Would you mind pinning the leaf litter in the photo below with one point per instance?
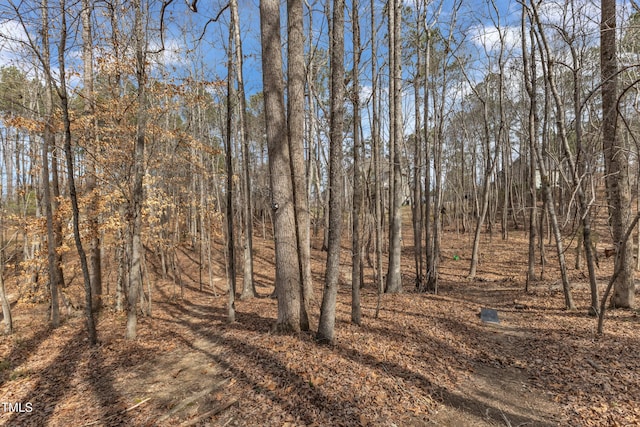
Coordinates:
(427, 360)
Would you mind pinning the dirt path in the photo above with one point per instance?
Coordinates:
(427, 360)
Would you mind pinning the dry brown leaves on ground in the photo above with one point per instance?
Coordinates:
(427, 360)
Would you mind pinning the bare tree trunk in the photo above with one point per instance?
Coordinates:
(375, 137)
(6, 306)
(287, 265)
(357, 212)
(64, 100)
(394, 277)
(530, 81)
(533, 121)
(231, 256)
(48, 141)
(248, 286)
(574, 170)
(431, 281)
(484, 208)
(418, 166)
(137, 196)
(328, 307)
(95, 262)
(491, 161)
(616, 158)
(295, 126)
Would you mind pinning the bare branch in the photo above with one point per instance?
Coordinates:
(204, 30)
(192, 6)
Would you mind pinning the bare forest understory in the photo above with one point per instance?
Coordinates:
(427, 360)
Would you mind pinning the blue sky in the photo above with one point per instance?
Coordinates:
(183, 53)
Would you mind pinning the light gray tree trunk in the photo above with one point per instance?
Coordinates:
(358, 202)
(616, 158)
(377, 174)
(64, 103)
(95, 262)
(6, 306)
(530, 82)
(533, 121)
(282, 204)
(394, 277)
(328, 307)
(48, 141)
(574, 170)
(295, 126)
(135, 247)
(229, 191)
(248, 286)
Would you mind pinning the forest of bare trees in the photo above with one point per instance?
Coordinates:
(144, 142)
(131, 128)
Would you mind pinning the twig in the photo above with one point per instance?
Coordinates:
(506, 420)
(119, 413)
(594, 365)
(136, 405)
(210, 413)
(191, 399)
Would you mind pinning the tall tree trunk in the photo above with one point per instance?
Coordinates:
(231, 254)
(533, 121)
(490, 164)
(6, 306)
(328, 307)
(530, 82)
(616, 158)
(95, 262)
(394, 277)
(287, 265)
(48, 141)
(357, 208)
(64, 101)
(248, 286)
(431, 281)
(377, 174)
(575, 170)
(135, 247)
(418, 165)
(295, 126)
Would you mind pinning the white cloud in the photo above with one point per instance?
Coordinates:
(173, 54)
(12, 40)
(490, 37)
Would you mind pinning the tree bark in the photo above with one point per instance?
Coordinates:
(295, 126)
(6, 306)
(48, 141)
(135, 247)
(231, 255)
(576, 166)
(377, 175)
(616, 158)
(533, 121)
(287, 267)
(328, 307)
(248, 285)
(357, 208)
(394, 277)
(64, 101)
(95, 262)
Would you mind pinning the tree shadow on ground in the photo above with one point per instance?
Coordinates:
(340, 411)
(21, 351)
(55, 380)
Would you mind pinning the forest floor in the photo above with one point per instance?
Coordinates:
(426, 360)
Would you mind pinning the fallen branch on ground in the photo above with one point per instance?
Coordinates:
(186, 402)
